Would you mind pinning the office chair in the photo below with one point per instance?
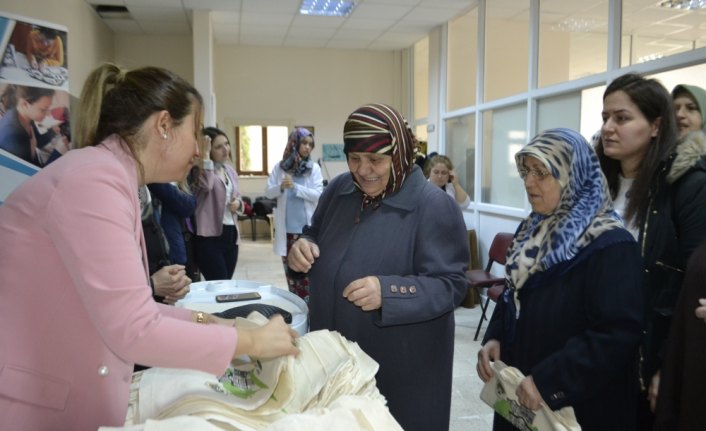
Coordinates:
(482, 278)
(247, 200)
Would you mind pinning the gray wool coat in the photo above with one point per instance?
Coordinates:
(415, 243)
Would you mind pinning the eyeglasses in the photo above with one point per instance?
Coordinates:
(534, 173)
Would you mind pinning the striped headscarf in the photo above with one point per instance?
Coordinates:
(378, 128)
(585, 208)
(292, 161)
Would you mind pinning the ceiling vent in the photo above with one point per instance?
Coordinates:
(112, 12)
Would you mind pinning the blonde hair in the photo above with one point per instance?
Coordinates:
(114, 101)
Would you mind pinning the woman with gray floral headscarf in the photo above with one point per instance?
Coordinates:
(570, 317)
(386, 271)
(296, 183)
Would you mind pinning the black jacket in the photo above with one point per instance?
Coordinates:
(578, 332)
(675, 225)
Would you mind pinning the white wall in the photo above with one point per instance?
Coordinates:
(89, 43)
(298, 86)
(170, 52)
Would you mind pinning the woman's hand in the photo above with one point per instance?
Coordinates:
(452, 177)
(286, 183)
(528, 394)
(274, 339)
(364, 293)
(489, 352)
(171, 282)
(302, 255)
(653, 390)
(234, 205)
(206, 148)
(701, 310)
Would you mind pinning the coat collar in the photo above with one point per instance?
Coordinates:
(407, 198)
(691, 153)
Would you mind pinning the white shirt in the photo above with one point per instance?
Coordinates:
(621, 202)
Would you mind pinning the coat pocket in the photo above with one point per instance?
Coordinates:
(33, 387)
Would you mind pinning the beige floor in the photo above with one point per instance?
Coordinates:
(258, 262)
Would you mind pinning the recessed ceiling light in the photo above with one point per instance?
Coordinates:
(326, 7)
(684, 4)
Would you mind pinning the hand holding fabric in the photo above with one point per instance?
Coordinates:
(489, 352)
(274, 339)
(365, 293)
(528, 395)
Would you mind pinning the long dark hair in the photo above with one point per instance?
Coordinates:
(655, 104)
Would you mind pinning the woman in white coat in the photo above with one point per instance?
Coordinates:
(297, 183)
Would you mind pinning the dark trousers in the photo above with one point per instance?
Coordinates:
(645, 417)
(217, 255)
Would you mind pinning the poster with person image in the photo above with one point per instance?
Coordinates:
(35, 125)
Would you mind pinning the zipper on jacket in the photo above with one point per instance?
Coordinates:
(664, 265)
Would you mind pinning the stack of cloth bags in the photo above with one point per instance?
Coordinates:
(330, 385)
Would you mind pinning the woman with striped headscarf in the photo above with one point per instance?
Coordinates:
(385, 270)
(571, 315)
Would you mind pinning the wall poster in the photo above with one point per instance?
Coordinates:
(34, 98)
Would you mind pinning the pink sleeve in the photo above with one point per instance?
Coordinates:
(95, 226)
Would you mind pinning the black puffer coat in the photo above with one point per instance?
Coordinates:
(675, 225)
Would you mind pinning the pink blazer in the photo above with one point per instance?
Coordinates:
(211, 201)
(76, 310)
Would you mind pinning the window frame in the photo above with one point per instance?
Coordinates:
(238, 169)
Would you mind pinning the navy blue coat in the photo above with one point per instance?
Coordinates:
(176, 206)
(578, 333)
(416, 244)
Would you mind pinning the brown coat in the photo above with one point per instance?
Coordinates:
(682, 390)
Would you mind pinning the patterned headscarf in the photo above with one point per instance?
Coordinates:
(585, 208)
(292, 161)
(378, 128)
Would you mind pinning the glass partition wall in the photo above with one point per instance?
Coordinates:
(511, 68)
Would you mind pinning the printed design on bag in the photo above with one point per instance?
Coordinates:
(243, 383)
(518, 415)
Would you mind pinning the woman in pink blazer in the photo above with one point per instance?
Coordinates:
(218, 204)
(77, 310)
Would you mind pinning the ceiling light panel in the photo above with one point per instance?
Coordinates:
(326, 7)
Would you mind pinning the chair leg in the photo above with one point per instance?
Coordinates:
(253, 225)
(483, 307)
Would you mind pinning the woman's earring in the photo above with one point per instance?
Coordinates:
(164, 136)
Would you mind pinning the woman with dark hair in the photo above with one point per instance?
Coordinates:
(19, 134)
(218, 203)
(297, 183)
(77, 310)
(386, 271)
(659, 186)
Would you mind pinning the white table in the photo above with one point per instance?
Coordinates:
(202, 297)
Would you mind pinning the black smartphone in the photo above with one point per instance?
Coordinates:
(233, 297)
